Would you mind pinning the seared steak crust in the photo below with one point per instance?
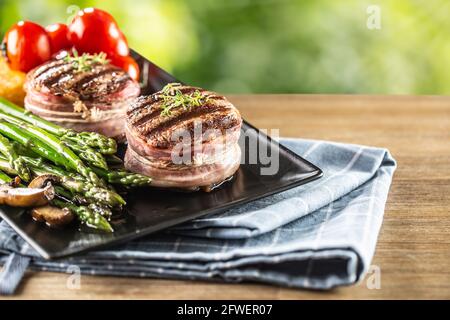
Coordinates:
(144, 117)
(60, 78)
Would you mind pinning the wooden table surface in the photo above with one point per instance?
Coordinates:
(413, 250)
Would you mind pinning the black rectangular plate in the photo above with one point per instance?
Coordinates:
(149, 210)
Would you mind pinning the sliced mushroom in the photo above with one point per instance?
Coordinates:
(44, 180)
(26, 197)
(52, 216)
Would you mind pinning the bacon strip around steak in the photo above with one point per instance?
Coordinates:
(205, 135)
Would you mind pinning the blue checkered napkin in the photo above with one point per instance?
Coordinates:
(319, 235)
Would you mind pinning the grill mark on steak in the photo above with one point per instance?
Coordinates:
(146, 115)
(44, 68)
(69, 84)
(160, 124)
(92, 76)
(144, 109)
(147, 108)
(219, 122)
(104, 85)
(139, 102)
(145, 119)
(54, 75)
(62, 79)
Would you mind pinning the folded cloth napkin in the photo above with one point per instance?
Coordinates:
(319, 235)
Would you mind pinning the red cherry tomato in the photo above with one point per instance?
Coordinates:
(59, 36)
(128, 64)
(27, 46)
(94, 31)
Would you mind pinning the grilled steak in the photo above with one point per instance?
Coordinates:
(92, 96)
(183, 137)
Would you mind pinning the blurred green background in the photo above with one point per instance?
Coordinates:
(240, 46)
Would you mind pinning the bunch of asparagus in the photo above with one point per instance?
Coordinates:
(31, 146)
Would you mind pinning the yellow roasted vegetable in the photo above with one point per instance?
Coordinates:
(11, 83)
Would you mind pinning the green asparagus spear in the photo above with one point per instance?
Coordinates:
(87, 154)
(60, 191)
(74, 184)
(68, 196)
(50, 142)
(123, 177)
(102, 144)
(80, 200)
(102, 210)
(91, 192)
(6, 167)
(7, 149)
(14, 133)
(78, 186)
(86, 214)
(4, 178)
(83, 151)
(95, 140)
(22, 150)
(38, 166)
(113, 160)
(93, 215)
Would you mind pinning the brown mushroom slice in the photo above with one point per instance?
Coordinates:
(43, 180)
(26, 197)
(52, 216)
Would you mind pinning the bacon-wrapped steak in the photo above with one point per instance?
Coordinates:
(83, 93)
(183, 137)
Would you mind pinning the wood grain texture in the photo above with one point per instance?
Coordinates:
(413, 250)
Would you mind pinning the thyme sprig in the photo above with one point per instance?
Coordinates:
(174, 98)
(86, 61)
